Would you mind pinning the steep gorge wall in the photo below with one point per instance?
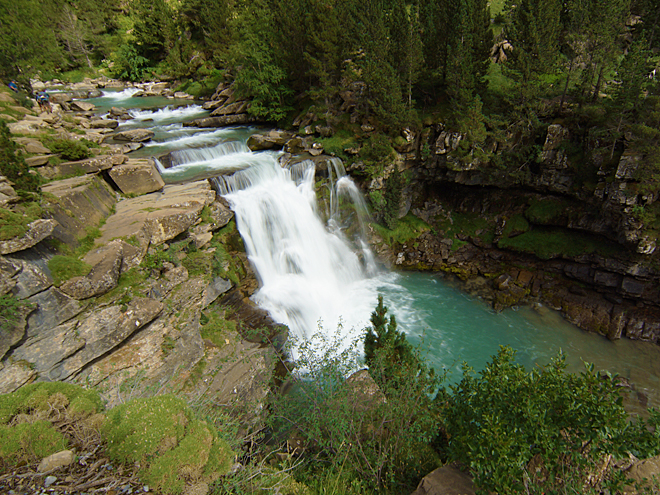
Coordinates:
(569, 234)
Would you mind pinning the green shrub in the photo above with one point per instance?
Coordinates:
(68, 148)
(534, 432)
(161, 434)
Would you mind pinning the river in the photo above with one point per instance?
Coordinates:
(315, 277)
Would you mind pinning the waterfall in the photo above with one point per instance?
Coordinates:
(310, 272)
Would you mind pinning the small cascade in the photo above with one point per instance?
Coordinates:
(120, 95)
(202, 163)
(167, 114)
(309, 272)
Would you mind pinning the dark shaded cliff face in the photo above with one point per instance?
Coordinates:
(576, 235)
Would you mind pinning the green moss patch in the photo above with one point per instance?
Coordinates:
(14, 223)
(546, 211)
(215, 327)
(63, 268)
(30, 419)
(547, 243)
(161, 435)
(408, 228)
(38, 397)
(29, 442)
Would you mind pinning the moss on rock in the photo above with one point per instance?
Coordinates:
(161, 434)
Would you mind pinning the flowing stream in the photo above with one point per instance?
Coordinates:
(317, 274)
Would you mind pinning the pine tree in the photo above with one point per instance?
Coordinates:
(384, 335)
(469, 51)
(533, 31)
(406, 45)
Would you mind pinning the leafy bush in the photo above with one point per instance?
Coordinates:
(129, 64)
(68, 149)
(533, 432)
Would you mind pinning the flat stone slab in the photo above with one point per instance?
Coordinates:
(157, 217)
(86, 166)
(53, 308)
(80, 202)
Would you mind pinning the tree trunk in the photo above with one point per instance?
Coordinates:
(598, 83)
(568, 78)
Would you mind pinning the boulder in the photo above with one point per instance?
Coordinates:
(225, 120)
(215, 289)
(134, 135)
(37, 161)
(231, 109)
(8, 268)
(36, 148)
(7, 192)
(104, 330)
(102, 277)
(82, 106)
(137, 177)
(37, 232)
(12, 335)
(273, 139)
(447, 480)
(104, 124)
(642, 472)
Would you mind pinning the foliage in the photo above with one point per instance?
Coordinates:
(13, 223)
(528, 432)
(383, 335)
(162, 435)
(13, 166)
(68, 148)
(408, 228)
(378, 436)
(29, 442)
(130, 65)
(38, 397)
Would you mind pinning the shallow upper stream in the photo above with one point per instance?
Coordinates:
(314, 274)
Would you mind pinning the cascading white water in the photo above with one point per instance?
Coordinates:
(166, 114)
(200, 163)
(308, 271)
